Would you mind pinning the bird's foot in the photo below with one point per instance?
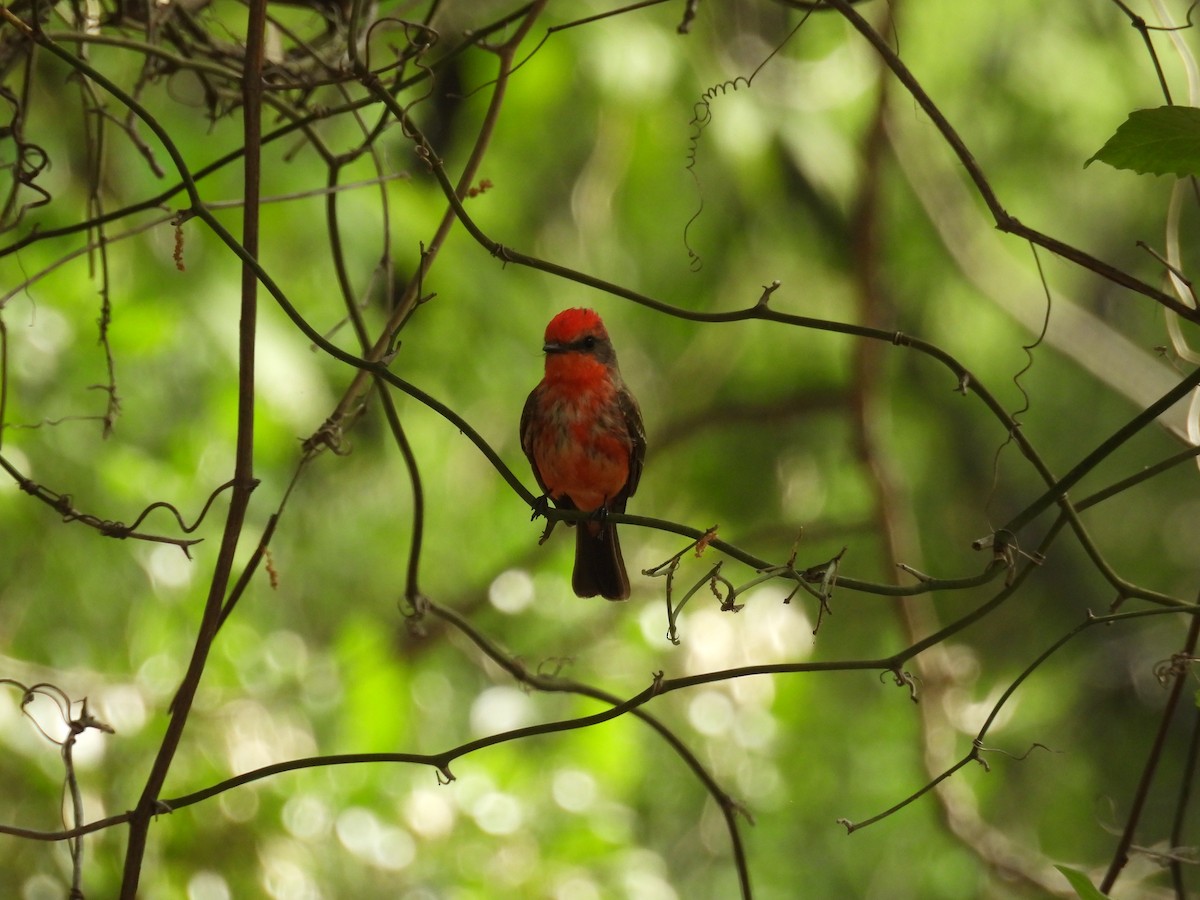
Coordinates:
(540, 506)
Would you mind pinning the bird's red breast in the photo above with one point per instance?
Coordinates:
(580, 443)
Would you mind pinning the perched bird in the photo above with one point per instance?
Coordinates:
(582, 431)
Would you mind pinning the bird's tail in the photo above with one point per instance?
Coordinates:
(599, 568)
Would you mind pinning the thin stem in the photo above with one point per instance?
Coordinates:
(243, 470)
(729, 808)
(1137, 478)
(1059, 489)
(1181, 806)
(1004, 221)
(1121, 855)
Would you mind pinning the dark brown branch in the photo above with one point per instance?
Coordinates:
(243, 469)
(1004, 221)
(1187, 784)
(1181, 676)
(728, 806)
(61, 504)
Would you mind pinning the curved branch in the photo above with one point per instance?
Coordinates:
(1004, 221)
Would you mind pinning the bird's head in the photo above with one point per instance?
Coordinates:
(578, 333)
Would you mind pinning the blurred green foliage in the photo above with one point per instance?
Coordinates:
(620, 144)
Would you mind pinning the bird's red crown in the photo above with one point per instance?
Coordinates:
(572, 324)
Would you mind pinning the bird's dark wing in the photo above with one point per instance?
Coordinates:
(527, 435)
(637, 439)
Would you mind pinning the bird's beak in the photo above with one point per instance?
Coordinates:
(554, 348)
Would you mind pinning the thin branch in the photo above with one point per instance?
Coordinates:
(1137, 478)
(977, 746)
(439, 761)
(1187, 783)
(1181, 677)
(1004, 221)
(728, 806)
(1058, 490)
(62, 504)
(243, 468)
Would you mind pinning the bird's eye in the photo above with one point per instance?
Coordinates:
(589, 343)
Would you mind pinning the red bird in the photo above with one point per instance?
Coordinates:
(582, 431)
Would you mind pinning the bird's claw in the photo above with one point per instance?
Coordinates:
(540, 506)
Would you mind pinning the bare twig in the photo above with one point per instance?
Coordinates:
(1180, 677)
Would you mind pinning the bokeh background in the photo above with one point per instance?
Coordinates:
(694, 169)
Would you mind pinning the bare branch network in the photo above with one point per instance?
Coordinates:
(356, 214)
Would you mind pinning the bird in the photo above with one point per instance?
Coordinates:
(582, 431)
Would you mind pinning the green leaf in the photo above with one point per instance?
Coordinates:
(1084, 888)
(1162, 141)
